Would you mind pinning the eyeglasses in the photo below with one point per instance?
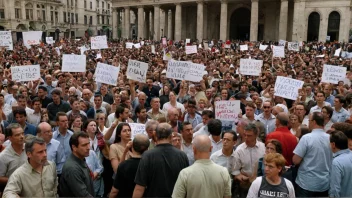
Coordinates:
(266, 107)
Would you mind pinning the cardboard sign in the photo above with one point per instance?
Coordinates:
(107, 74)
(195, 72)
(243, 47)
(137, 46)
(83, 49)
(287, 87)
(137, 70)
(188, 41)
(251, 67)
(58, 51)
(327, 38)
(293, 46)
(167, 56)
(282, 42)
(25, 73)
(337, 52)
(153, 49)
(73, 63)
(98, 42)
(263, 47)
(32, 38)
(49, 40)
(129, 45)
(333, 74)
(6, 40)
(137, 128)
(206, 46)
(227, 110)
(279, 51)
(164, 42)
(177, 69)
(191, 49)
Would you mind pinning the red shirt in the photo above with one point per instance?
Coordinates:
(288, 142)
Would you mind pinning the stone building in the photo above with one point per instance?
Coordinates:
(57, 18)
(291, 20)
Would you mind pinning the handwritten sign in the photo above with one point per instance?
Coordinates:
(137, 70)
(167, 56)
(6, 40)
(73, 63)
(32, 38)
(129, 45)
(206, 45)
(333, 74)
(191, 49)
(278, 51)
(153, 49)
(25, 73)
(337, 52)
(107, 74)
(83, 49)
(227, 110)
(137, 128)
(287, 87)
(49, 40)
(164, 42)
(98, 42)
(188, 40)
(293, 46)
(263, 47)
(243, 47)
(177, 69)
(282, 42)
(251, 67)
(195, 72)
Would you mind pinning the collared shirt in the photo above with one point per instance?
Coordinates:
(314, 147)
(157, 116)
(309, 98)
(33, 117)
(96, 166)
(202, 131)
(330, 100)
(65, 145)
(328, 126)
(9, 99)
(269, 124)
(341, 174)
(10, 161)
(54, 108)
(340, 116)
(316, 108)
(27, 182)
(225, 161)
(189, 152)
(55, 152)
(216, 145)
(246, 157)
(30, 129)
(194, 121)
(6, 109)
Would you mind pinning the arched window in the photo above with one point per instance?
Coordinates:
(29, 11)
(313, 26)
(334, 26)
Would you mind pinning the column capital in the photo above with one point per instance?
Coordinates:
(283, 0)
(224, 1)
(126, 7)
(178, 4)
(157, 6)
(200, 2)
(140, 6)
(256, 1)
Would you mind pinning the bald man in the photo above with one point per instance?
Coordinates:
(204, 178)
(284, 135)
(172, 117)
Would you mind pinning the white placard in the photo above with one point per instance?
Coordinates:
(98, 42)
(301, 43)
(98, 55)
(167, 56)
(337, 52)
(227, 46)
(164, 42)
(83, 49)
(25, 73)
(188, 40)
(138, 45)
(32, 38)
(251, 67)
(137, 70)
(348, 55)
(191, 49)
(49, 40)
(195, 72)
(57, 51)
(279, 51)
(282, 42)
(137, 128)
(327, 38)
(206, 46)
(333, 74)
(320, 56)
(287, 87)
(227, 110)
(263, 47)
(142, 43)
(129, 45)
(73, 63)
(177, 69)
(153, 49)
(294, 46)
(107, 74)
(6, 40)
(243, 47)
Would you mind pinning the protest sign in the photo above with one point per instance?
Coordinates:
(73, 63)
(164, 42)
(327, 38)
(294, 46)
(320, 56)
(301, 43)
(177, 69)
(142, 43)
(278, 51)
(348, 55)
(263, 47)
(137, 70)
(98, 42)
(6, 40)
(58, 51)
(137, 45)
(206, 46)
(282, 42)
(83, 49)
(191, 49)
(167, 56)
(153, 49)
(32, 38)
(137, 128)
(243, 47)
(107, 74)
(337, 52)
(227, 46)
(25, 73)
(250, 67)
(227, 110)
(333, 74)
(195, 72)
(49, 40)
(287, 87)
(129, 45)
(188, 40)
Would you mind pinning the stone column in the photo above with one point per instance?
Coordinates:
(156, 22)
(146, 24)
(323, 28)
(178, 22)
(205, 21)
(166, 23)
(223, 20)
(127, 22)
(169, 24)
(123, 27)
(200, 20)
(140, 22)
(114, 24)
(152, 26)
(254, 21)
(117, 23)
(298, 20)
(283, 20)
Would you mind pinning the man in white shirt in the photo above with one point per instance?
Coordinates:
(33, 117)
(214, 128)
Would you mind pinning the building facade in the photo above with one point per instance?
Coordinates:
(57, 18)
(291, 20)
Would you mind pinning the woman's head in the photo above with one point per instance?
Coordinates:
(76, 122)
(273, 146)
(172, 96)
(123, 133)
(294, 120)
(166, 90)
(101, 118)
(90, 126)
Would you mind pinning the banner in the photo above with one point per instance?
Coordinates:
(287, 87)
(25, 73)
(129, 45)
(137, 70)
(243, 47)
(73, 63)
(137, 128)
(227, 110)
(32, 38)
(49, 40)
(137, 45)
(251, 67)
(333, 74)
(191, 49)
(279, 51)
(107, 74)
(293, 46)
(6, 40)
(98, 42)
(263, 47)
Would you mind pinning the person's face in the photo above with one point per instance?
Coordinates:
(37, 106)
(173, 116)
(21, 102)
(176, 141)
(2, 100)
(82, 150)
(309, 90)
(97, 101)
(77, 122)
(293, 120)
(141, 99)
(76, 106)
(56, 98)
(46, 133)
(63, 122)
(17, 137)
(24, 92)
(271, 91)
(187, 133)
(209, 93)
(156, 103)
(249, 136)
(172, 97)
(300, 111)
(311, 122)
(128, 103)
(224, 94)
(320, 97)
(86, 95)
(244, 88)
(337, 103)
(21, 119)
(83, 106)
(191, 109)
(38, 155)
(270, 148)
(228, 142)
(271, 169)
(150, 132)
(150, 83)
(267, 107)
(48, 79)
(166, 90)
(126, 134)
(142, 115)
(103, 90)
(125, 114)
(205, 119)
(101, 119)
(117, 98)
(249, 111)
(91, 127)
(327, 90)
(41, 93)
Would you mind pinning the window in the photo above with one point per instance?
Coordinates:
(97, 4)
(91, 5)
(108, 20)
(108, 6)
(85, 4)
(43, 12)
(75, 3)
(29, 11)
(72, 18)
(85, 20)
(65, 17)
(76, 18)
(18, 13)
(91, 20)
(98, 21)
(102, 20)
(102, 5)
(2, 13)
(52, 16)
(56, 17)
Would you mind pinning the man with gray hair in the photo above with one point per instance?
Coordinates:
(159, 168)
(204, 178)
(35, 178)
(150, 128)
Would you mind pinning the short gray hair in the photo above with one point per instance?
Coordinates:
(150, 124)
(30, 143)
(251, 127)
(163, 131)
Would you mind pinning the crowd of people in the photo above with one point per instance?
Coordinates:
(67, 135)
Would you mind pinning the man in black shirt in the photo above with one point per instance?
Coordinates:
(159, 168)
(126, 172)
(150, 90)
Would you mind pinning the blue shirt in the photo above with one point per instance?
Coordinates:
(196, 120)
(330, 99)
(65, 146)
(341, 174)
(30, 129)
(55, 152)
(269, 124)
(340, 116)
(313, 172)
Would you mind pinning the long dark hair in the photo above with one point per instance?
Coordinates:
(85, 124)
(119, 130)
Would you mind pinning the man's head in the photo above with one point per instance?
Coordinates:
(172, 115)
(229, 139)
(192, 106)
(42, 91)
(300, 110)
(75, 104)
(250, 133)
(267, 107)
(48, 79)
(37, 104)
(142, 98)
(103, 89)
(202, 147)
(274, 164)
(176, 140)
(140, 143)
(55, 95)
(150, 128)
(141, 113)
(80, 144)
(206, 116)
(338, 141)
(86, 94)
(150, 82)
(320, 97)
(62, 121)
(187, 132)
(250, 108)
(240, 126)
(22, 101)
(122, 112)
(155, 103)
(214, 127)
(163, 132)
(316, 120)
(20, 116)
(327, 112)
(327, 90)
(44, 131)
(98, 100)
(36, 151)
(282, 120)
(339, 101)
(15, 133)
